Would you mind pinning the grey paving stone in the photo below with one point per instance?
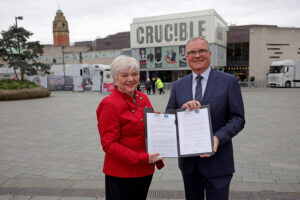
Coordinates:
(63, 145)
(6, 197)
(22, 198)
(29, 182)
(44, 198)
(77, 198)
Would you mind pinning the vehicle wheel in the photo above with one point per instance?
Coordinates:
(287, 84)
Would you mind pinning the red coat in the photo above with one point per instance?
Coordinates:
(122, 133)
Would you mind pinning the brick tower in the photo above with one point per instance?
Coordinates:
(60, 30)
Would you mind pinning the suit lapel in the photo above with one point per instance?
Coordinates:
(188, 87)
(210, 86)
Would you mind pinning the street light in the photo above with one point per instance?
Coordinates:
(18, 18)
(19, 49)
(63, 55)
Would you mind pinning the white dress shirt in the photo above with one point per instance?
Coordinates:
(204, 80)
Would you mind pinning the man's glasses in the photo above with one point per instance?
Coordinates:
(200, 52)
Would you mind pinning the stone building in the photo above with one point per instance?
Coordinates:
(252, 48)
(158, 42)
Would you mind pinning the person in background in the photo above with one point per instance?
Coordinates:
(209, 176)
(153, 85)
(128, 168)
(252, 79)
(148, 86)
(139, 86)
(160, 85)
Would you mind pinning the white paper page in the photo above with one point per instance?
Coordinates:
(194, 132)
(161, 131)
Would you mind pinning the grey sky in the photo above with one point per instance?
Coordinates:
(89, 19)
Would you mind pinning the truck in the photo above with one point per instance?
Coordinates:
(284, 73)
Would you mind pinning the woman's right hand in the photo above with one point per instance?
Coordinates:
(153, 158)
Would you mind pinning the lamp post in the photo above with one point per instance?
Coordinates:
(63, 56)
(19, 50)
(18, 18)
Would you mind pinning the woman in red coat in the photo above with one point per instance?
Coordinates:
(127, 166)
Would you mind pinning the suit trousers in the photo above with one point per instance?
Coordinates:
(197, 186)
(127, 188)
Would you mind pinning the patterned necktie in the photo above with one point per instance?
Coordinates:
(198, 93)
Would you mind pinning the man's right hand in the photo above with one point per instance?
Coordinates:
(191, 105)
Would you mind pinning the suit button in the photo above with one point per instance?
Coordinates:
(142, 120)
(133, 111)
(141, 97)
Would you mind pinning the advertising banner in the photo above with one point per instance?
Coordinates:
(170, 58)
(96, 83)
(182, 56)
(107, 77)
(39, 80)
(108, 83)
(150, 58)
(78, 83)
(56, 82)
(59, 83)
(161, 57)
(108, 87)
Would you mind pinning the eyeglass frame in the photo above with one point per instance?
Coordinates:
(200, 52)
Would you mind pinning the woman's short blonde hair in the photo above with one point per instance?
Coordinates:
(122, 63)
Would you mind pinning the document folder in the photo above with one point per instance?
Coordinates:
(179, 133)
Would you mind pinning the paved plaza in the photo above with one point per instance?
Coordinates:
(50, 148)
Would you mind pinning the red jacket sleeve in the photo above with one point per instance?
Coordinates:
(109, 129)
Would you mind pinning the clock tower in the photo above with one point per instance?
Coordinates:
(60, 30)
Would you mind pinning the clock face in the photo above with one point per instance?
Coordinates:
(60, 26)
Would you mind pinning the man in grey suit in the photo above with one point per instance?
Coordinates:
(209, 176)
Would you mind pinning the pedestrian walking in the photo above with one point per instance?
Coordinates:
(160, 85)
(252, 79)
(153, 85)
(148, 86)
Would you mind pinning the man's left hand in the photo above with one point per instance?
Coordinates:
(216, 144)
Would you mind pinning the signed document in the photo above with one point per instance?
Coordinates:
(161, 134)
(181, 134)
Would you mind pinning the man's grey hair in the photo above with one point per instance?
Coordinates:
(122, 63)
(196, 38)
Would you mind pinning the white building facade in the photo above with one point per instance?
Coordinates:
(159, 42)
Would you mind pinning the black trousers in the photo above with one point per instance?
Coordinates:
(127, 188)
(161, 90)
(153, 89)
(148, 90)
(198, 187)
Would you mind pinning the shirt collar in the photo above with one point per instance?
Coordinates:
(204, 74)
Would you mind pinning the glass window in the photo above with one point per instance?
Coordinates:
(276, 69)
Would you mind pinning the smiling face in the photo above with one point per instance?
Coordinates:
(200, 61)
(127, 81)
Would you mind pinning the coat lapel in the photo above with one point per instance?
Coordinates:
(210, 86)
(188, 87)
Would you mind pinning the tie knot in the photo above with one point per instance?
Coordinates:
(199, 77)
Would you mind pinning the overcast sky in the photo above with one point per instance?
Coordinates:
(91, 19)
